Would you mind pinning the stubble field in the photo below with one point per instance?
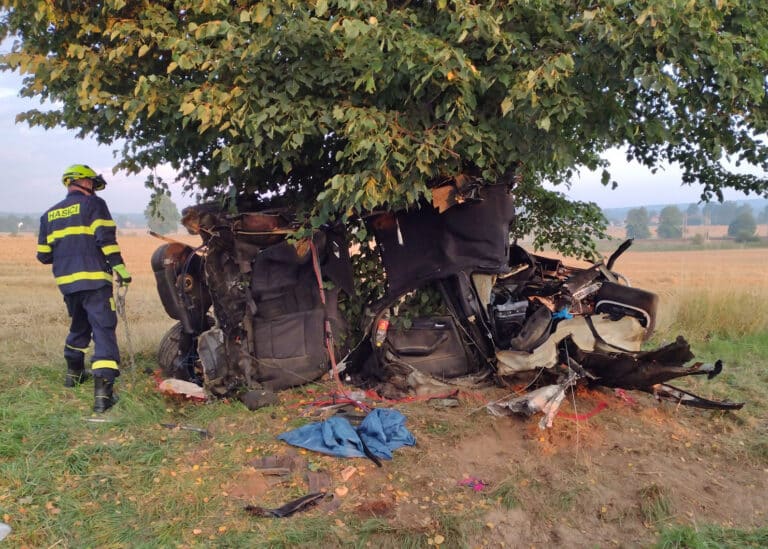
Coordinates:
(638, 473)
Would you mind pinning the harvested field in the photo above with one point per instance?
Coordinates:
(707, 231)
(621, 477)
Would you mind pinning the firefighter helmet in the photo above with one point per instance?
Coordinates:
(81, 171)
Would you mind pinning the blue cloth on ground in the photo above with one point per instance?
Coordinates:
(382, 430)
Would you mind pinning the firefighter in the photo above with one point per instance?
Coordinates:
(78, 237)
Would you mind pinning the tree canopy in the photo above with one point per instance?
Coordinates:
(348, 105)
(670, 223)
(744, 226)
(637, 223)
(762, 217)
(162, 215)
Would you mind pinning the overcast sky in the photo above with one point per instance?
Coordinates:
(32, 161)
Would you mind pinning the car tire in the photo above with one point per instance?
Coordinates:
(168, 350)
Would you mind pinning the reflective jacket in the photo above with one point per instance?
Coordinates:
(77, 236)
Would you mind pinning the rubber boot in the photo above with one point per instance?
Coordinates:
(75, 372)
(103, 399)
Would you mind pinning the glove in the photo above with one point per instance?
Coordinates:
(123, 276)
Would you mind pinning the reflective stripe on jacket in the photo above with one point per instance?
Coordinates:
(78, 236)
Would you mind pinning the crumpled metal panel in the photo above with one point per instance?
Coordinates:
(626, 333)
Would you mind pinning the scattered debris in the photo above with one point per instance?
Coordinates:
(98, 420)
(473, 482)
(291, 462)
(204, 433)
(275, 471)
(318, 481)
(376, 508)
(347, 473)
(300, 504)
(443, 402)
(248, 484)
(546, 400)
(183, 388)
(256, 399)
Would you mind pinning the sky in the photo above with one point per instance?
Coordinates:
(33, 159)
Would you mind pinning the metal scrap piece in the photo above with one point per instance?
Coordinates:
(202, 432)
(662, 391)
(300, 504)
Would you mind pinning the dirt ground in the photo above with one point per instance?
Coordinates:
(612, 480)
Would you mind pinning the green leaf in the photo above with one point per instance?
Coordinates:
(261, 12)
(506, 105)
(272, 100)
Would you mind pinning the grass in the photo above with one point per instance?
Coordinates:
(505, 494)
(711, 537)
(655, 505)
(725, 313)
(129, 482)
(680, 245)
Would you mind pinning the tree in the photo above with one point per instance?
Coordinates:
(637, 223)
(743, 227)
(723, 214)
(9, 223)
(693, 215)
(670, 223)
(162, 215)
(342, 106)
(763, 216)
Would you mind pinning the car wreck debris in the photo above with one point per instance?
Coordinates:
(299, 504)
(258, 312)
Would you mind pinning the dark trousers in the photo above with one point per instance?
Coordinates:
(93, 315)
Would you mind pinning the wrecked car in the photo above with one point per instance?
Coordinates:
(258, 310)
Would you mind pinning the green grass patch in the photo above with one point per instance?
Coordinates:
(505, 494)
(655, 506)
(438, 428)
(711, 537)
(567, 500)
(723, 316)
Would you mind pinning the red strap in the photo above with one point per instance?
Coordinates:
(602, 405)
(327, 328)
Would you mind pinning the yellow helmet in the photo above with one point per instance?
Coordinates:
(81, 171)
